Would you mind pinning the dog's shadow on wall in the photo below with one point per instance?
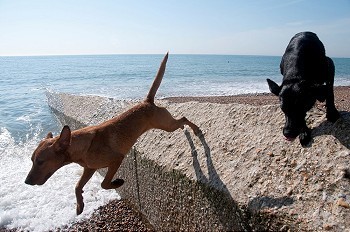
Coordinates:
(223, 200)
(340, 129)
(213, 179)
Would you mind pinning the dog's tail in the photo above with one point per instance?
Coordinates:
(157, 80)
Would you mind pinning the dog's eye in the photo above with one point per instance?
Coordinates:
(39, 162)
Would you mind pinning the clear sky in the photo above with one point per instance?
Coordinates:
(241, 27)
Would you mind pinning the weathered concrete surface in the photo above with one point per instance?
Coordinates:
(241, 175)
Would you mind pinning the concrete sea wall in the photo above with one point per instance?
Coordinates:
(240, 175)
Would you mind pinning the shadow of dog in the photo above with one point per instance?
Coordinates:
(340, 129)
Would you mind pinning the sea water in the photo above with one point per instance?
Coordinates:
(25, 117)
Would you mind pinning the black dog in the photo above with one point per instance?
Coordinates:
(308, 75)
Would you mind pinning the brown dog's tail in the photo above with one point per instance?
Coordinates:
(157, 80)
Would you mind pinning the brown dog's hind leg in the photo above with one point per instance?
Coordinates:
(87, 174)
(165, 121)
(107, 183)
(179, 123)
(194, 127)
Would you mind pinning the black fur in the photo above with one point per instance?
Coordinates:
(308, 75)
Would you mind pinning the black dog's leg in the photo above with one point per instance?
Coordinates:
(332, 112)
(305, 136)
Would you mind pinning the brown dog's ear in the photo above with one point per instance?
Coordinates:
(63, 141)
(49, 135)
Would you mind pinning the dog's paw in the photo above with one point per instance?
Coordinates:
(198, 132)
(80, 208)
(305, 138)
(333, 116)
(117, 183)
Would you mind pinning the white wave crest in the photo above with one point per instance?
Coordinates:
(46, 207)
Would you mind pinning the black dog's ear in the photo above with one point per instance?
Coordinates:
(274, 88)
(64, 140)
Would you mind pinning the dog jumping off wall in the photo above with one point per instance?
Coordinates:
(104, 145)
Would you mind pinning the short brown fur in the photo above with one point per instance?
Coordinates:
(104, 145)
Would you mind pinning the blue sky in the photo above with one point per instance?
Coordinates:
(242, 27)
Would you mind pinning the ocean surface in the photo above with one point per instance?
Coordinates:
(25, 117)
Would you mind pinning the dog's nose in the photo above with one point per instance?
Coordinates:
(28, 181)
(290, 134)
(289, 139)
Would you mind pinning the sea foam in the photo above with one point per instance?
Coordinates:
(46, 207)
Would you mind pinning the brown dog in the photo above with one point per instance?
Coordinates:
(104, 145)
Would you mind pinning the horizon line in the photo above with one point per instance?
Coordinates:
(140, 54)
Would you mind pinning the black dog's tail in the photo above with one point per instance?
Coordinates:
(157, 80)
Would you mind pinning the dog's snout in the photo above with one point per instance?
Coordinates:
(29, 181)
(289, 133)
(292, 126)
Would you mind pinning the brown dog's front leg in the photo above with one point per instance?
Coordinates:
(107, 183)
(87, 174)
